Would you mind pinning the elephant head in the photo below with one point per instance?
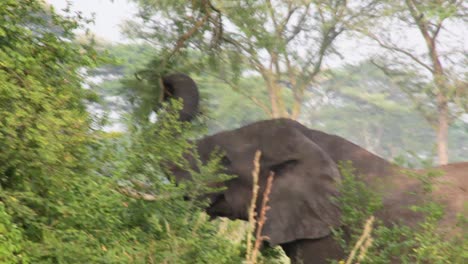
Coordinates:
(301, 204)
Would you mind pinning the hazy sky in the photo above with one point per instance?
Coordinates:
(108, 15)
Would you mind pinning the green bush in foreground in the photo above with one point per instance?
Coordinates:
(11, 240)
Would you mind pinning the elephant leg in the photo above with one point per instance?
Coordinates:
(313, 251)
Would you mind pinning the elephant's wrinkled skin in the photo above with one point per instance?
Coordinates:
(306, 175)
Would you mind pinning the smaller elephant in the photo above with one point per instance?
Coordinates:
(303, 210)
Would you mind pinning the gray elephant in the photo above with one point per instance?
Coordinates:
(304, 161)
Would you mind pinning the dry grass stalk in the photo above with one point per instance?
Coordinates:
(132, 193)
(142, 191)
(363, 243)
(262, 218)
(252, 251)
(251, 225)
(364, 249)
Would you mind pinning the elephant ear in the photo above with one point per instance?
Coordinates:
(305, 183)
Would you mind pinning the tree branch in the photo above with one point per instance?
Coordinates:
(298, 28)
(399, 50)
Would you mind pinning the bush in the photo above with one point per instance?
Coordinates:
(11, 240)
(423, 244)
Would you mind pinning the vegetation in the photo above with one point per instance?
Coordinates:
(385, 117)
(73, 190)
(224, 31)
(420, 244)
(430, 77)
(60, 179)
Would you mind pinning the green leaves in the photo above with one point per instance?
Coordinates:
(45, 136)
(422, 243)
(11, 240)
(354, 192)
(177, 230)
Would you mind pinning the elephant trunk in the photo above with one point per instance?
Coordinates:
(181, 86)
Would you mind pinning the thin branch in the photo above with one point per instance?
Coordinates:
(181, 41)
(297, 29)
(430, 41)
(437, 30)
(253, 56)
(429, 117)
(272, 14)
(140, 184)
(400, 50)
(286, 20)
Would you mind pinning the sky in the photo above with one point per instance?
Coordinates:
(108, 15)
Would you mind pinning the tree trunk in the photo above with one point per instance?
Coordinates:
(442, 111)
(275, 112)
(278, 108)
(438, 74)
(442, 130)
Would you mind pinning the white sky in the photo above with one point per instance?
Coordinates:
(108, 15)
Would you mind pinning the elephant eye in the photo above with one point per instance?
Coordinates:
(225, 161)
(283, 166)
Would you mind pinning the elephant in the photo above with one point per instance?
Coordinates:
(303, 208)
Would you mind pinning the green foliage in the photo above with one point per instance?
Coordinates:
(50, 175)
(353, 192)
(180, 230)
(125, 61)
(134, 77)
(357, 203)
(236, 39)
(11, 240)
(44, 127)
(44, 122)
(421, 244)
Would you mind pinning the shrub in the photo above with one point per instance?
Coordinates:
(423, 244)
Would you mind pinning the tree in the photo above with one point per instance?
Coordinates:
(428, 72)
(286, 43)
(60, 178)
(363, 98)
(117, 100)
(120, 93)
(62, 211)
